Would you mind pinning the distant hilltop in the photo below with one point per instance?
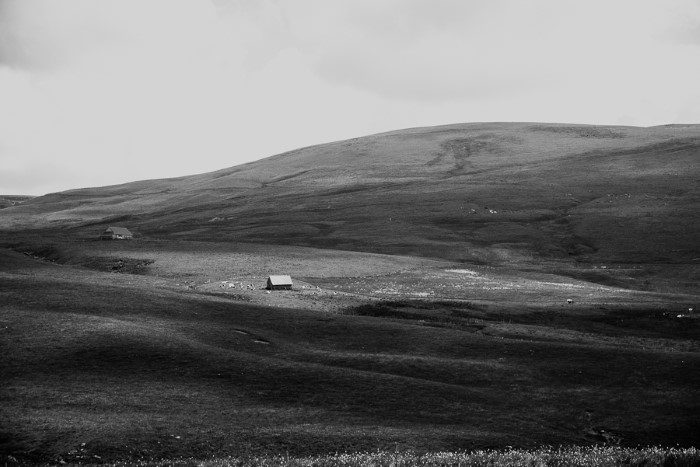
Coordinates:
(478, 192)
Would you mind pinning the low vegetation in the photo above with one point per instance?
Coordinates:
(595, 456)
(104, 366)
(491, 194)
(463, 295)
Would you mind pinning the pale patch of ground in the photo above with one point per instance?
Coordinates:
(224, 261)
(490, 285)
(303, 295)
(333, 280)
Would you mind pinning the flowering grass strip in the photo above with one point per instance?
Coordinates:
(592, 456)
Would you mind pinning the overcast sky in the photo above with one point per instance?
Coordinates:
(98, 92)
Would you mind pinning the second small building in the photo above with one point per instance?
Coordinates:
(116, 233)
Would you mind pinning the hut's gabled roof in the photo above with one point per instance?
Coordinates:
(280, 280)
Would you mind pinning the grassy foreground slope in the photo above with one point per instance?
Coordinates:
(125, 366)
(471, 192)
(581, 457)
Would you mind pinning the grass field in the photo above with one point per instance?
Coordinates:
(457, 289)
(479, 193)
(561, 457)
(144, 366)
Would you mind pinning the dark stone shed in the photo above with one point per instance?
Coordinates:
(116, 233)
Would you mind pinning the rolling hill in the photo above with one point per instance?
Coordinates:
(460, 287)
(147, 368)
(470, 192)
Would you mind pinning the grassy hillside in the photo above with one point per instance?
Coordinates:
(473, 192)
(581, 457)
(12, 200)
(460, 287)
(160, 364)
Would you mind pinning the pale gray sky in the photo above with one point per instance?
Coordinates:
(98, 92)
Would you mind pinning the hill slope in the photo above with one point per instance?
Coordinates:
(168, 346)
(103, 366)
(12, 200)
(470, 192)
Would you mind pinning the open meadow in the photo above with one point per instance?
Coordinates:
(154, 349)
(457, 289)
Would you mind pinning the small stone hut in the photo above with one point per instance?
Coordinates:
(116, 233)
(279, 283)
